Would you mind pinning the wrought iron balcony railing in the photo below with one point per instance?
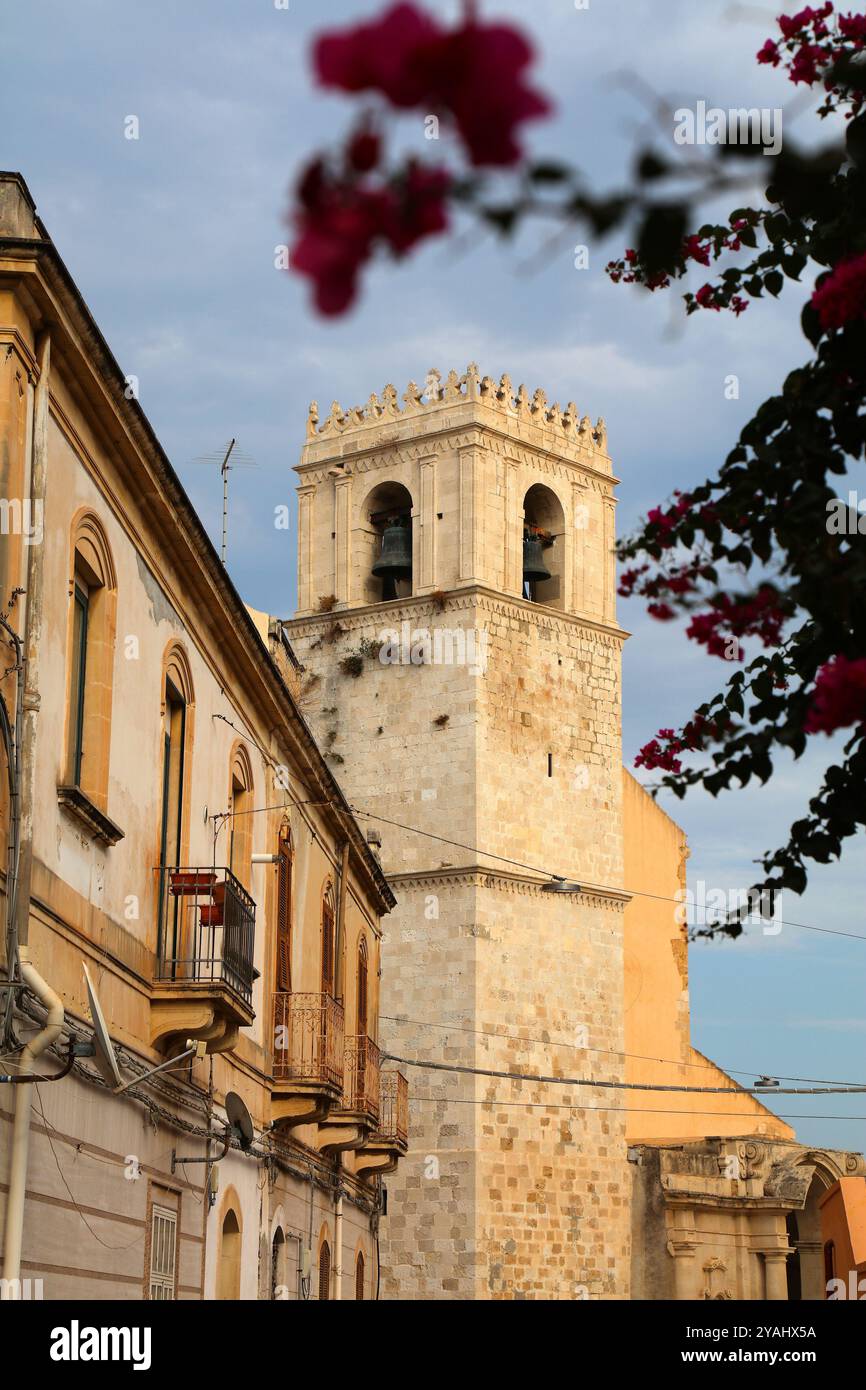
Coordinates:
(308, 1039)
(206, 929)
(394, 1107)
(361, 1077)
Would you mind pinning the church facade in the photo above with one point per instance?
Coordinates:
(457, 631)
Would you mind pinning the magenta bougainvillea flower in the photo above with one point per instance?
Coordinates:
(340, 226)
(841, 297)
(473, 75)
(840, 696)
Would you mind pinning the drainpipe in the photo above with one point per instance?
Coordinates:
(338, 1245)
(32, 640)
(12, 741)
(21, 1127)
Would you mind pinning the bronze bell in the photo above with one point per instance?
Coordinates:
(395, 561)
(534, 568)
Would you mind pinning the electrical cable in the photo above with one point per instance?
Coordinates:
(613, 1052)
(623, 1085)
(626, 1110)
(48, 1127)
(584, 887)
(544, 874)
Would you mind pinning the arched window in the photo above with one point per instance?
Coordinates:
(229, 1274)
(283, 964)
(177, 700)
(90, 680)
(385, 544)
(241, 823)
(324, 1271)
(359, 1277)
(543, 547)
(329, 943)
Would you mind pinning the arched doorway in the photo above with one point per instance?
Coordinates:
(806, 1265)
(229, 1273)
(279, 1288)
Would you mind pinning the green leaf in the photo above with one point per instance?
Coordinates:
(855, 140)
(651, 166)
(661, 237)
(793, 264)
(548, 171)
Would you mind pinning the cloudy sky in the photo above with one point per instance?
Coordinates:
(172, 240)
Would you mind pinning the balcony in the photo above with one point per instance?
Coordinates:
(350, 1123)
(308, 1057)
(389, 1141)
(203, 988)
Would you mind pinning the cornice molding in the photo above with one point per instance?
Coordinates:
(474, 876)
(447, 438)
(475, 597)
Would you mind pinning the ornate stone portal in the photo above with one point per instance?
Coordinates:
(736, 1218)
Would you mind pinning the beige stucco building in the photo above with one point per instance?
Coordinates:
(457, 628)
(171, 825)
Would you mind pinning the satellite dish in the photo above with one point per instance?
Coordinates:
(240, 1120)
(104, 1057)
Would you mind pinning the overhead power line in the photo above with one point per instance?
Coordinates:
(613, 1052)
(620, 1109)
(544, 874)
(623, 1085)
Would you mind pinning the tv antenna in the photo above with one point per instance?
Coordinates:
(228, 457)
(105, 1056)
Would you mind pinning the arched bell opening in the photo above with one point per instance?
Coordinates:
(387, 553)
(543, 547)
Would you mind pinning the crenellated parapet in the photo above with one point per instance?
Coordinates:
(519, 405)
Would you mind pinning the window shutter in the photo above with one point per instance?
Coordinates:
(325, 1272)
(327, 948)
(284, 918)
(359, 1277)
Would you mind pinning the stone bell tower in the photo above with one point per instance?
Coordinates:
(473, 719)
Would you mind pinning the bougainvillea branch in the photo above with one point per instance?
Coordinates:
(748, 556)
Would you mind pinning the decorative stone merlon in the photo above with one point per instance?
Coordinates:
(534, 409)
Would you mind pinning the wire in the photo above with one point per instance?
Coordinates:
(614, 1052)
(585, 887)
(108, 1216)
(519, 864)
(622, 1085)
(627, 1110)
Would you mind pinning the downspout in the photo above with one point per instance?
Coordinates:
(33, 640)
(12, 742)
(21, 1126)
(338, 1241)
